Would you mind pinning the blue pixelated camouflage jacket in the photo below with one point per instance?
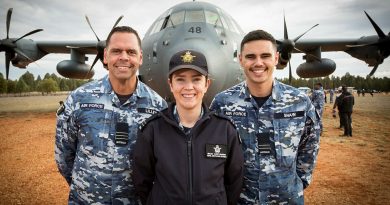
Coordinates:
(280, 141)
(92, 155)
(318, 100)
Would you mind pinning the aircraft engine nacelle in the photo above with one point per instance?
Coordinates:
(74, 69)
(283, 60)
(20, 61)
(316, 69)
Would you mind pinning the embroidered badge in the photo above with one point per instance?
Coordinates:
(92, 105)
(147, 110)
(188, 57)
(235, 113)
(289, 115)
(216, 151)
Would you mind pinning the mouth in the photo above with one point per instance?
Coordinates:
(188, 96)
(258, 72)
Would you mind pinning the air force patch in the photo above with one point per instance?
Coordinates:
(216, 151)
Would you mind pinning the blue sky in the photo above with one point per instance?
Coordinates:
(65, 20)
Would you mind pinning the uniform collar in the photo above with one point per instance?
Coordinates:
(276, 91)
(139, 92)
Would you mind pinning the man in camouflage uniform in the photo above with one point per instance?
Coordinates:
(277, 123)
(318, 100)
(98, 123)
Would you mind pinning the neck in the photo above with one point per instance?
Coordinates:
(260, 90)
(124, 87)
(188, 117)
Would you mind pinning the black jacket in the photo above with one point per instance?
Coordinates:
(204, 166)
(346, 102)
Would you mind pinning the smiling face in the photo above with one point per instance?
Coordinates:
(123, 57)
(188, 88)
(258, 59)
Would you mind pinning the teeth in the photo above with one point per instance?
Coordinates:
(188, 95)
(258, 71)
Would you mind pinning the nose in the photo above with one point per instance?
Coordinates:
(123, 56)
(258, 61)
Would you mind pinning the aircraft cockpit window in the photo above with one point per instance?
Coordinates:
(213, 18)
(233, 25)
(157, 26)
(195, 16)
(175, 19)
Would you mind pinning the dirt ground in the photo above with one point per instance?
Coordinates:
(349, 170)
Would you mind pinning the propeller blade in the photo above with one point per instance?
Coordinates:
(285, 27)
(29, 33)
(297, 38)
(373, 70)
(377, 29)
(289, 73)
(18, 51)
(90, 26)
(93, 64)
(8, 57)
(117, 21)
(9, 14)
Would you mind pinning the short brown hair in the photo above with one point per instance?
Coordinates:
(258, 35)
(124, 29)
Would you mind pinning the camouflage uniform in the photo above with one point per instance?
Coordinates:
(90, 153)
(280, 141)
(318, 100)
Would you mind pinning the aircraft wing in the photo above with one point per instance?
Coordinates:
(85, 47)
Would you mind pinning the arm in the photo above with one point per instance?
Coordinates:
(143, 168)
(234, 169)
(66, 140)
(308, 148)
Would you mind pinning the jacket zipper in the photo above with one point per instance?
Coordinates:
(189, 156)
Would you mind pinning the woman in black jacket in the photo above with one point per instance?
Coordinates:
(186, 154)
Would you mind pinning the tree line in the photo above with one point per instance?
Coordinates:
(27, 83)
(331, 82)
(52, 83)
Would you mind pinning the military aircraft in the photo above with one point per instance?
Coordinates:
(197, 26)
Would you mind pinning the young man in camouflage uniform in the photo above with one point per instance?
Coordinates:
(97, 126)
(277, 123)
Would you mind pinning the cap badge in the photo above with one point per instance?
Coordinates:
(188, 57)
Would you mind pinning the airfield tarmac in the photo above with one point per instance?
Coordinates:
(349, 170)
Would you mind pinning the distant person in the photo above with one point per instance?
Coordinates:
(372, 93)
(346, 103)
(278, 125)
(98, 123)
(331, 95)
(186, 154)
(336, 105)
(358, 92)
(318, 99)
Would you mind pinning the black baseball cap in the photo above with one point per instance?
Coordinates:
(188, 59)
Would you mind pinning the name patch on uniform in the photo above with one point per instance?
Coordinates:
(235, 113)
(147, 110)
(122, 134)
(92, 105)
(216, 151)
(289, 115)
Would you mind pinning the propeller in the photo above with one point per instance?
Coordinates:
(383, 44)
(287, 46)
(9, 44)
(101, 44)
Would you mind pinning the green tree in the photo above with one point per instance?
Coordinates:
(21, 87)
(11, 86)
(48, 85)
(28, 78)
(3, 84)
